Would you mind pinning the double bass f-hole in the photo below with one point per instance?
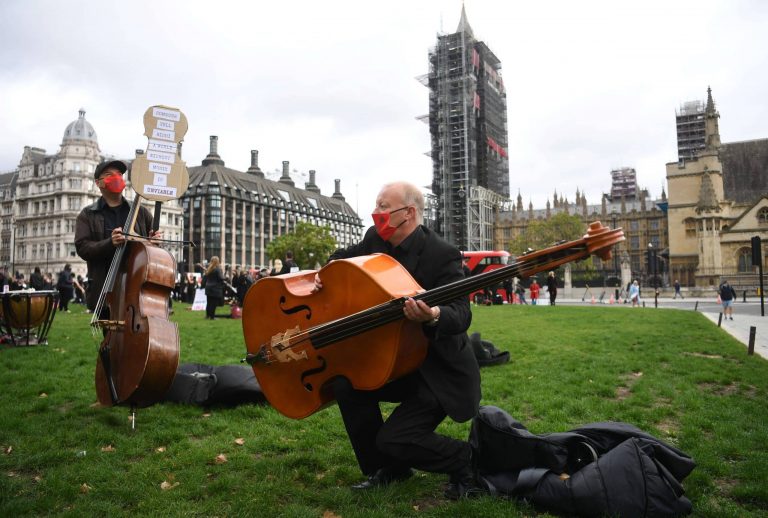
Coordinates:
(295, 309)
(309, 372)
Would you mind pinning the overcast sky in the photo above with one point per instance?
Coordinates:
(330, 86)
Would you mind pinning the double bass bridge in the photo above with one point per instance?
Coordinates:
(279, 349)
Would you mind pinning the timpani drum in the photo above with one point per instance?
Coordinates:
(26, 316)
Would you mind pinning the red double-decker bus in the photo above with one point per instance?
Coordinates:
(485, 261)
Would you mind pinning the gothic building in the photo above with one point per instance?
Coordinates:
(43, 199)
(718, 200)
(234, 215)
(643, 220)
(468, 129)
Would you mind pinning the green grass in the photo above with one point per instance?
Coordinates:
(671, 373)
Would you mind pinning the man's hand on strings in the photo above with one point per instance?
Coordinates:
(155, 234)
(117, 237)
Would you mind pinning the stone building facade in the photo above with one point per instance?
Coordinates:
(718, 200)
(235, 214)
(46, 196)
(643, 220)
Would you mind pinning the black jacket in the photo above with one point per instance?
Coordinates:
(450, 368)
(214, 283)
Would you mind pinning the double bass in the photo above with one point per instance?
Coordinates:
(299, 339)
(139, 354)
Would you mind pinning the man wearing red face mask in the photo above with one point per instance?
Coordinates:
(99, 227)
(446, 384)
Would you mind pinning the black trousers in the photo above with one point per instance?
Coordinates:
(211, 304)
(407, 438)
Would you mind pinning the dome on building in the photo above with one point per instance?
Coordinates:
(80, 129)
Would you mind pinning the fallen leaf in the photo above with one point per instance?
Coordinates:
(108, 448)
(160, 449)
(207, 414)
(221, 458)
(319, 476)
(165, 486)
(330, 514)
(239, 441)
(37, 478)
(43, 394)
(7, 449)
(416, 508)
(12, 474)
(84, 488)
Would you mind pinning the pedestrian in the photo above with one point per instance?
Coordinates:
(677, 290)
(99, 228)
(552, 288)
(448, 381)
(289, 265)
(634, 293)
(534, 291)
(727, 296)
(521, 293)
(213, 282)
(65, 287)
(277, 268)
(36, 280)
(508, 290)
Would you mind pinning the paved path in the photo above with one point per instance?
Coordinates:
(745, 315)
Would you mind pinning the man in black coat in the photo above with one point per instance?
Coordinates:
(99, 227)
(448, 381)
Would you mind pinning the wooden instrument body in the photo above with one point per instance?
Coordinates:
(299, 387)
(144, 350)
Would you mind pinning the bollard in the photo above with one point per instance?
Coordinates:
(643, 303)
(751, 348)
(696, 307)
(719, 319)
(745, 296)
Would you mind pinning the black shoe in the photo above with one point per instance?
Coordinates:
(464, 484)
(465, 489)
(383, 477)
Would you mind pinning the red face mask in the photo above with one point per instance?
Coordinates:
(114, 183)
(381, 221)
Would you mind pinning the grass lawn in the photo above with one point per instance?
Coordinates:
(671, 373)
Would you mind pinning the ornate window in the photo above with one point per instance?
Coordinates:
(745, 259)
(762, 216)
(690, 227)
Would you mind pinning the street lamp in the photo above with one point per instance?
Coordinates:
(652, 270)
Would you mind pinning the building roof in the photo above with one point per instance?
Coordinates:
(79, 129)
(248, 186)
(745, 170)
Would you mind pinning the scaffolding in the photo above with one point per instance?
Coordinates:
(691, 129)
(624, 184)
(468, 129)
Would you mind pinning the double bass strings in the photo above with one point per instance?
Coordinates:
(391, 311)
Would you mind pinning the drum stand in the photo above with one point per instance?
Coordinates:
(16, 322)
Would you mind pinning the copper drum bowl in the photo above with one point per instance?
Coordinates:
(26, 309)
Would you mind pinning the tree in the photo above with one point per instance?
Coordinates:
(545, 233)
(310, 245)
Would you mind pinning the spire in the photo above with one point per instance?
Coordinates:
(710, 103)
(707, 197)
(663, 193)
(712, 128)
(603, 207)
(548, 209)
(519, 200)
(530, 210)
(464, 23)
